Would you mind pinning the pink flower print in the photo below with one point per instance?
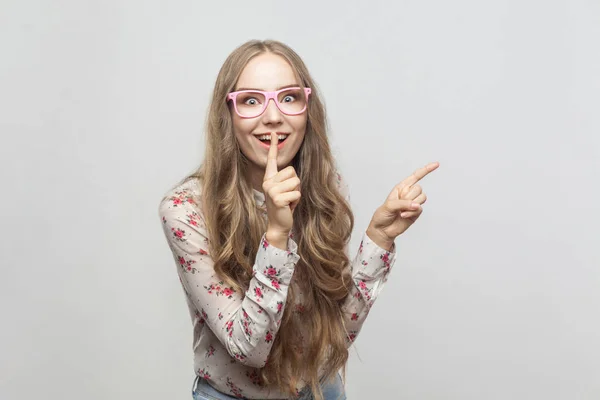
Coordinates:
(254, 377)
(245, 314)
(247, 329)
(354, 317)
(229, 327)
(357, 295)
(273, 273)
(279, 306)
(186, 265)
(365, 290)
(181, 197)
(265, 243)
(360, 248)
(193, 218)
(164, 220)
(220, 316)
(210, 352)
(233, 388)
(210, 288)
(202, 317)
(219, 290)
(203, 373)
(179, 234)
(386, 262)
(385, 257)
(268, 337)
(352, 336)
(203, 252)
(258, 293)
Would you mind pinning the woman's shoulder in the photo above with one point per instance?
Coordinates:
(183, 198)
(182, 220)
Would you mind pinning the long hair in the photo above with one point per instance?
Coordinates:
(323, 223)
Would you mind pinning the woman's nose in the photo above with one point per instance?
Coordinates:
(272, 113)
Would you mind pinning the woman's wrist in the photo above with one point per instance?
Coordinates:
(277, 239)
(380, 239)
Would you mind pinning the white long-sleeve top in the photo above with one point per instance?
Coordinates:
(233, 332)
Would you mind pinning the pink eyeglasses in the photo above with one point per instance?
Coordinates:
(252, 103)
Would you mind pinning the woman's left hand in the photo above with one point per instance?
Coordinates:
(396, 214)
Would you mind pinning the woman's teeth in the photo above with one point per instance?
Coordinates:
(267, 138)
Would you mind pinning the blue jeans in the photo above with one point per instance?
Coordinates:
(331, 391)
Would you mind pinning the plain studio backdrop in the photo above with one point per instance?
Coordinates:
(494, 294)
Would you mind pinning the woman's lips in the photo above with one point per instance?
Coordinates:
(267, 145)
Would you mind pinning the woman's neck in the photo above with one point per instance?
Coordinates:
(255, 177)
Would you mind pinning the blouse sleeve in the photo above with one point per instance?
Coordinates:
(246, 323)
(369, 270)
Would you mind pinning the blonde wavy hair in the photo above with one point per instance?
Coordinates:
(323, 223)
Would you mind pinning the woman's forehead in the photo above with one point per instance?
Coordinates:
(266, 72)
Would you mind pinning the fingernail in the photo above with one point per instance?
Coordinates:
(415, 205)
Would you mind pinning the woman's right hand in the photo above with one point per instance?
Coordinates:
(282, 193)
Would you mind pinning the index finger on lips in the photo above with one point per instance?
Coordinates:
(271, 168)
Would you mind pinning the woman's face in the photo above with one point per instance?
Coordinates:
(268, 72)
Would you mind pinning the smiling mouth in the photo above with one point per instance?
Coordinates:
(267, 140)
(266, 144)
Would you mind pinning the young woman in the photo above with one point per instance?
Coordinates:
(260, 237)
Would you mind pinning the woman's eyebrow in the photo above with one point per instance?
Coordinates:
(279, 88)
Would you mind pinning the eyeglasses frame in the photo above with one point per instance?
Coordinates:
(268, 97)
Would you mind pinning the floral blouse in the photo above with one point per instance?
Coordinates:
(233, 332)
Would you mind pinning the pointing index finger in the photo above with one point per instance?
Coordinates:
(420, 174)
(271, 169)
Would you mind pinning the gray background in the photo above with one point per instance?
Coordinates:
(494, 294)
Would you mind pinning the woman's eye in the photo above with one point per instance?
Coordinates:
(288, 99)
(251, 101)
